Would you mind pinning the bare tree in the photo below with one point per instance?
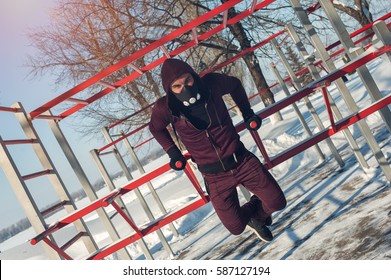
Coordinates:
(87, 36)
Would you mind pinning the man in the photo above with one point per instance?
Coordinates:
(195, 109)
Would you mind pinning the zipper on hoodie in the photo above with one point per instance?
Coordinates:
(206, 131)
(214, 147)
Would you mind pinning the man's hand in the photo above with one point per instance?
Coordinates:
(177, 160)
(253, 123)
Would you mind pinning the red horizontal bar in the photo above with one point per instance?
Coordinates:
(55, 207)
(73, 240)
(322, 135)
(58, 250)
(243, 53)
(122, 138)
(75, 100)
(359, 31)
(48, 231)
(98, 203)
(144, 142)
(354, 64)
(131, 115)
(165, 220)
(38, 174)
(7, 109)
(21, 141)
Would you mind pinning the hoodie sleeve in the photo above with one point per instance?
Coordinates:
(158, 125)
(233, 86)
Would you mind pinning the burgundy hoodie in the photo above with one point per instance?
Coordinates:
(220, 140)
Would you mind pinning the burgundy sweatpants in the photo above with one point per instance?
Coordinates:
(252, 175)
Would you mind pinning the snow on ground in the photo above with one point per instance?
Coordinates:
(332, 212)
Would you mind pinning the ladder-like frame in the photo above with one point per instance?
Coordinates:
(18, 183)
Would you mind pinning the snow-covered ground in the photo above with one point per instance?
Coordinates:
(333, 213)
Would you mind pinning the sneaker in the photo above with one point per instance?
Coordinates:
(261, 230)
(256, 200)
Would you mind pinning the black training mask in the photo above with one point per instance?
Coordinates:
(189, 95)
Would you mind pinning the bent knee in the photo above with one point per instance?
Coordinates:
(236, 230)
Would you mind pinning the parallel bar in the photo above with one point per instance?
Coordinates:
(225, 18)
(175, 34)
(75, 100)
(37, 174)
(258, 141)
(80, 213)
(126, 218)
(106, 84)
(122, 138)
(131, 115)
(359, 31)
(159, 61)
(328, 107)
(57, 249)
(73, 240)
(21, 141)
(322, 135)
(165, 51)
(195, 35)
(46, 117)
(338, 73)
(53, 208)
(253, 6)
(165, 220)
(135, 68)
(242, 53)
(7, 109)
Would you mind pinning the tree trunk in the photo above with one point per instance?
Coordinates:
(251, 61)
(361, 14)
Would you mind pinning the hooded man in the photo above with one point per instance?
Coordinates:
(195, 109)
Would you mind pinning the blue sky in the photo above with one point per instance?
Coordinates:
(16, 17)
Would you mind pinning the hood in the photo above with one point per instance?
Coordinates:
(172, 69)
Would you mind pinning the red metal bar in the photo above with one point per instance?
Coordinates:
(48, 231)
(163, 221)
(193, 179)
(50, 210)
(270, 110)
(260, 145)
(73, 240)
(126, 218)
(225, 18)
(131, 115)
(242, 53)
(100, 76)
(7, 109)
(313, 8)
(57, 249)
(122, 138)
(322, 135)
(46, 117)
(22, 141)
(75, 100)
(328, 107)
(359, 31)
(144, 142)
(102, 83)
(165, 51)
(37, 174)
